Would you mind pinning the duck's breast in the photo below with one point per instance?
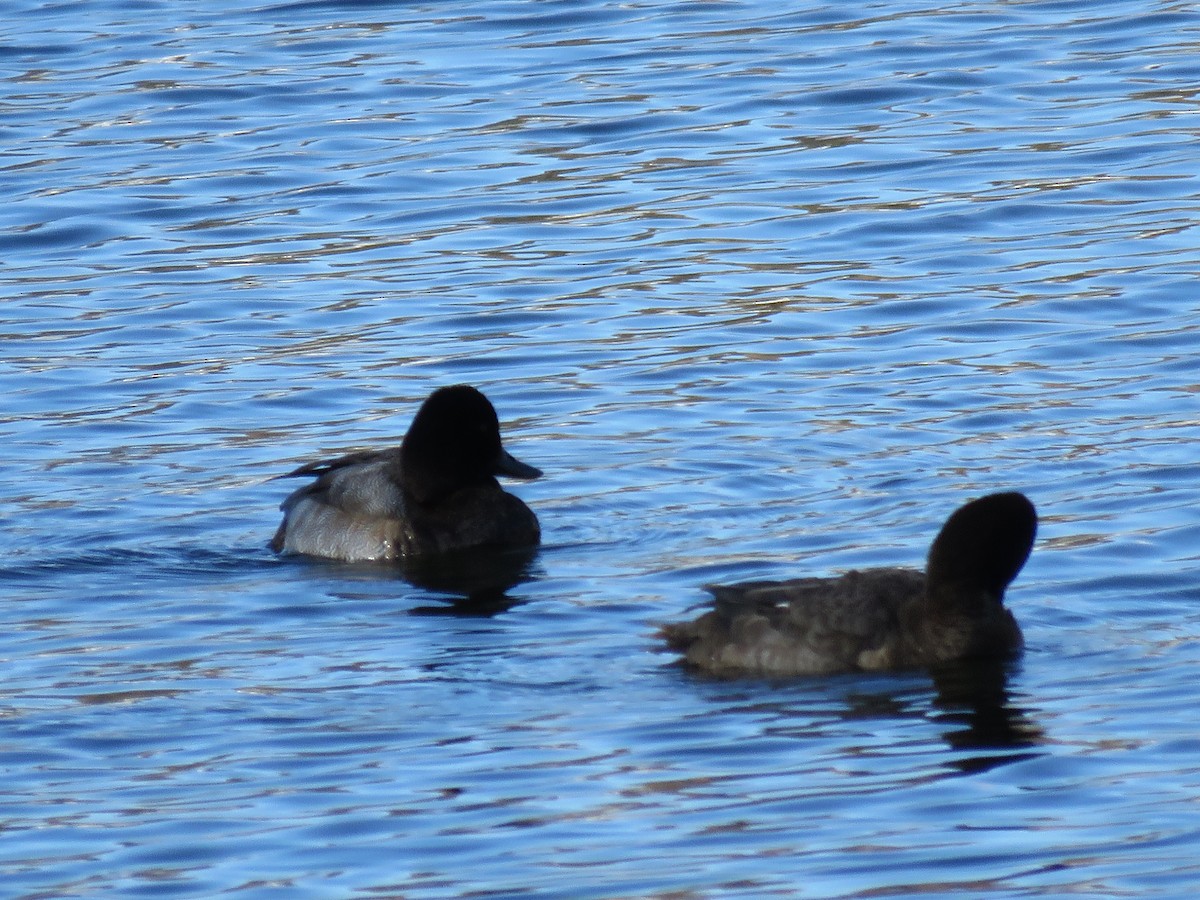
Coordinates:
(479, 516)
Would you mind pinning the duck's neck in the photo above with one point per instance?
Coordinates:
(967, 622)
(430, 485)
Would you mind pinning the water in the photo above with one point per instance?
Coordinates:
(766, 289)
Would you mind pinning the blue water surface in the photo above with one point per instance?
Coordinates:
(765, 288)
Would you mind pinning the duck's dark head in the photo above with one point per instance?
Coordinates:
(454, 442)
(981, 548)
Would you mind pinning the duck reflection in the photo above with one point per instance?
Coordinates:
(467, 583)
(975, 700)
(973, 704)
(475, 583)
(970, 702)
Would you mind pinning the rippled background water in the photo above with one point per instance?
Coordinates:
(765, 288)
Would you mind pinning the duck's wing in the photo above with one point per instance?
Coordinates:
(801, 626)
(731, 600)
(321, 467)
(859, 607)
(358, 483)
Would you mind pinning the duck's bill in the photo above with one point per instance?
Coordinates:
(511, 466)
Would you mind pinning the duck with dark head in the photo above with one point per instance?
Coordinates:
(435, 493)
(875, 619)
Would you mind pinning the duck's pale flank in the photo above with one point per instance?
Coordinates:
(437, 492)
(875, 619)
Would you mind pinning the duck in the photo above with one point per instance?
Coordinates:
(875, 619)
(436, 493)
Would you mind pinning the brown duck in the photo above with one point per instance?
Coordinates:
(875, 619)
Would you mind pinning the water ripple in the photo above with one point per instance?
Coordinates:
(765, 289)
